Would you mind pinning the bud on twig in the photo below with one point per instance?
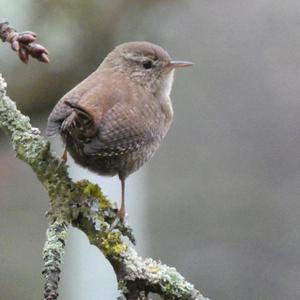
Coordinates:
(23, 43)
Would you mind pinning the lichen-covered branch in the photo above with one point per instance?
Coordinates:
(83, 205)
(53, 253)
(23, 43)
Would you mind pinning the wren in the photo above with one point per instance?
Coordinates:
(113, 121)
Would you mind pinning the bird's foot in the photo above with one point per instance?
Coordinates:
(121, 214)
(119, 219)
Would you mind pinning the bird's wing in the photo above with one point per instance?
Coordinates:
(62, 110)
(79, 124)
(124, 128)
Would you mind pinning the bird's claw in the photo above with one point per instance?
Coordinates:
(119, 220)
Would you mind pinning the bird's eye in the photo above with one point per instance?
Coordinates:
(147, 64)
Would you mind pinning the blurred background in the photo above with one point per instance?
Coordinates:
(220, 200)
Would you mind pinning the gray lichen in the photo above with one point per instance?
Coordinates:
(83, 205)
(52, 255)
(166, 280)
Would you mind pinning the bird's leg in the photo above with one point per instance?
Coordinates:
(121, 211)
(64, 157)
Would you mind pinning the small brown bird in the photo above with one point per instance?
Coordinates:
(113, 121)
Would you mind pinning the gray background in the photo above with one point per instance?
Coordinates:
(221, 198)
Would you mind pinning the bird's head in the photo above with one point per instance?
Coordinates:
(145, 63)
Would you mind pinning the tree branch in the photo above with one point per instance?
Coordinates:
(53, 254)
(83, 205)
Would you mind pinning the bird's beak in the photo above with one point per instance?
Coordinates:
(180, 64)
